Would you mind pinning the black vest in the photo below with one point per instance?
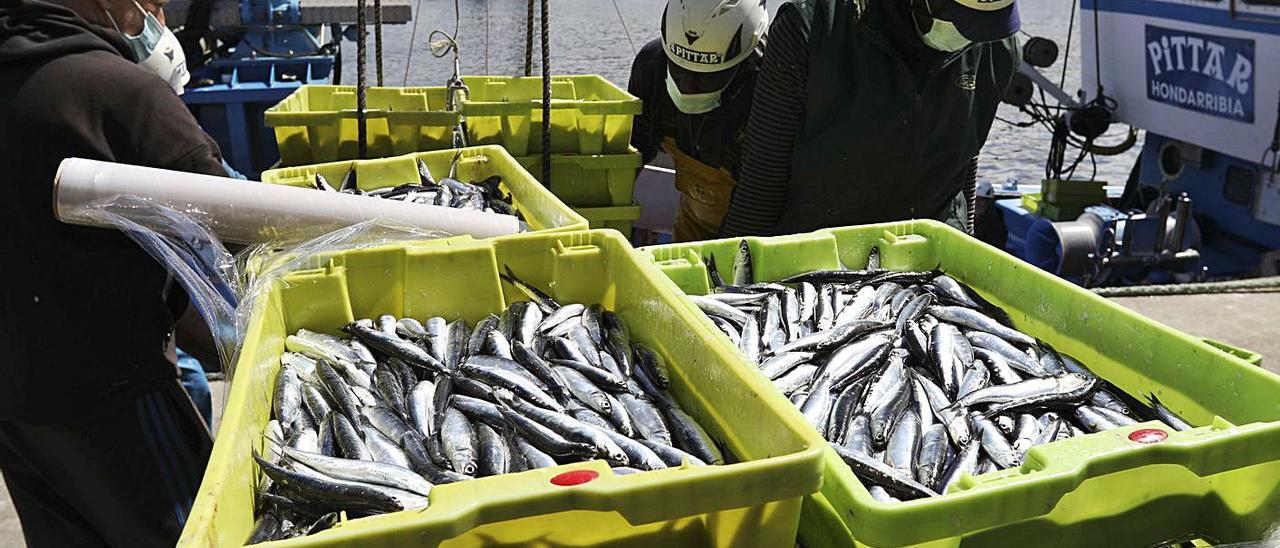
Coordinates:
(877, 144)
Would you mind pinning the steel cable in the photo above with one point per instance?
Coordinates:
(528, 41)
(377, 37)
(546, 94)
(362, 82)
(408, 62)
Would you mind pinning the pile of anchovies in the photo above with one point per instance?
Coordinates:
(485, 195)
(912, 377)
(368, 424)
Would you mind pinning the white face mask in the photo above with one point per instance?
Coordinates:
(692, 103)
(944, 37)
(158, 51)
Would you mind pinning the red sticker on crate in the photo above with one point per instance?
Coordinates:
(1148, 435)
(576, 477)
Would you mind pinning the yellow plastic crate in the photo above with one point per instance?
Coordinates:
(596, 180)
(617, 218)
(754, 502)
(541, 209)
(589, 114)
(318, 123)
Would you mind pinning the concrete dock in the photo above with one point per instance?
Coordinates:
(1247, 320)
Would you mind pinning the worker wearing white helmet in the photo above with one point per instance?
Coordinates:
(697, 83)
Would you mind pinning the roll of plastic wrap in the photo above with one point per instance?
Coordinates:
(250, 212)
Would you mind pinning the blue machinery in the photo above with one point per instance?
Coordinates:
(1202, 77)
(254, 53)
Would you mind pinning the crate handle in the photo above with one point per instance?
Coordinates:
(1249, 356)
(590, 486)
(1205, 451)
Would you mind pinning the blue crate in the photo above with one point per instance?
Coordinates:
(229, 96)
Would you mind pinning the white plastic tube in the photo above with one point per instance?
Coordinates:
(249, 212)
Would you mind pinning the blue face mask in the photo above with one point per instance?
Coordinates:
(157, 50)
(142, 45)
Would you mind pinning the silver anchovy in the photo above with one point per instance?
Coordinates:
(1167, 415)
(964, 463)
(934, 454)
(903, 447)
(1067, 388)
(494, 455)
(691, 437)
(1092, 420)
(973, 319)
(363, 471)
(953, 290)
(780, 364)
(459, 442)
(878, 473)
(715, 307)
(1017, 358)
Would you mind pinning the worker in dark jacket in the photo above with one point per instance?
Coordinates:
(696, 83)
(871, 110)
(99, 445)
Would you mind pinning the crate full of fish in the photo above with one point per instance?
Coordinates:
(482, 178)
(547, 388)
(967, 396)
(318, 123)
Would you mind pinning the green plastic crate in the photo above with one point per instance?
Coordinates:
(755, 502)
(596, 180)
(1220, 481)
(1035, 203)
(589, 114)
(542, 211)
(318, 123)
(1031, 202)
(616, 218)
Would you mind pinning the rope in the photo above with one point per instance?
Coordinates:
(377, 37)
(1116, 149)
(546, 94)
(1066, 57)
(529, 40)
(408, 62)
(1253, 285)
(624, 27)
(486, 37)
(1097, 52)
(362, 79)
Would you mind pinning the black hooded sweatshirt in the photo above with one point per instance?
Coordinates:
(83, 311)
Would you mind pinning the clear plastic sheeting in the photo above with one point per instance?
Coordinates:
(224, 287)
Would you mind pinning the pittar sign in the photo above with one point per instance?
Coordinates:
(1199, 72)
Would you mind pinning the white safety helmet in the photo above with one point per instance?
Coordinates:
(712, 35)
